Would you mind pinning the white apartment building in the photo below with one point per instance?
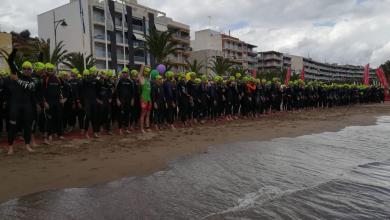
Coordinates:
(327, 72)
(125, 40)
(232, 48)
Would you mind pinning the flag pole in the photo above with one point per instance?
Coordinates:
(105, 33)
(123, 34)
(83, 29)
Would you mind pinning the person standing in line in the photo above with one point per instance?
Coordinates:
(136, 103)
(105, 97)
(89, 94)
(20, 88)
(124, 97)
(53, 103)
(170, 98)
(146, 99)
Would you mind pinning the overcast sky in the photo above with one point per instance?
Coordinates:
(342, 31)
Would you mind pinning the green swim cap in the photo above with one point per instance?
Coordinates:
(109, 73)
(75, 71)
(238, 75)
(158, 77)
(232, 78)
(39, 66)
(134, 73)
(181, 76)
(93, 70)
(49, 66)
(125, 70)
(147, 70)
(169, 74)
(26, 64)
(198, 80)
(86, 73)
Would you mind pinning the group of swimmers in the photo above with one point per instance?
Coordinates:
(36, 99)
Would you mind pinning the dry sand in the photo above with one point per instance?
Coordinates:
(82, 163)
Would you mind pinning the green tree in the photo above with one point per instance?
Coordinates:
(221, 66)
(195, 65)
(160, 45)
(76, 60)
(238, 69)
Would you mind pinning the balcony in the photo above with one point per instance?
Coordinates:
(138, 28)
(139, 59)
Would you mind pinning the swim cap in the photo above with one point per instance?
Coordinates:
(26, 64)
(93, 70)
(134, 73)
(125, 70)
(169, 74)
(86, 73)
(39, 66)
(49, 66)
(75, 71)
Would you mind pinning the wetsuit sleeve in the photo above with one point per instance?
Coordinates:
(11, 63)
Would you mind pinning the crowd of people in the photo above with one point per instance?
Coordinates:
(37, 100)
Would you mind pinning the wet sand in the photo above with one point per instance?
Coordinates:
(82, 163)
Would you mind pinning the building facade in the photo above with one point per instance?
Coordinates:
(327, 72)
(232, 48)
(127, 26)
(6, 45)
(273, 61)
(181, 36)
(276, 61)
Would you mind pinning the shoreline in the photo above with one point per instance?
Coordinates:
(82, 163)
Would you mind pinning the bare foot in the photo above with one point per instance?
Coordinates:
(143, 131)
(87, 135)
(96, 135)
(120, 132)
(29, 149)
(10, 150)
(62, 138)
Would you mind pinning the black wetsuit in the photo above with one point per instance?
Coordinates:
(124, 93)
(20, 100)
(52, 91)
(89, 95)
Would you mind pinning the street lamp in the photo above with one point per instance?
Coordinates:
(61, 22)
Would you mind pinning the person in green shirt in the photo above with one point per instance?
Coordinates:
(146, 99)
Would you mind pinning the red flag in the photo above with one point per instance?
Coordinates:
(384, 79)
(254, 73)
(303, 73)
(367, 75)
(288, 76)
(379, 75)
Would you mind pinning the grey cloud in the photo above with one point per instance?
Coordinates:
(360, 30)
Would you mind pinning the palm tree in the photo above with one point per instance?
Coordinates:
(238, 69)
(221, 66)
(76, 60)
(59, 53)
(159, 45)
(195, 66)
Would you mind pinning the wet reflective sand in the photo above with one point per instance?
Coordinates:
(342, 175)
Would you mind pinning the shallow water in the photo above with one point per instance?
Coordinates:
(338, 175)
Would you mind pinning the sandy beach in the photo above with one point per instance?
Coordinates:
(83, 163)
